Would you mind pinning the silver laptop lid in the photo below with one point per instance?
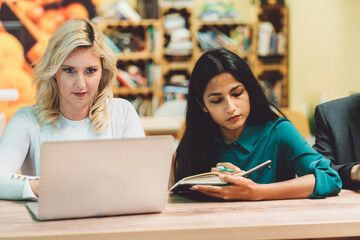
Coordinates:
(104, 177)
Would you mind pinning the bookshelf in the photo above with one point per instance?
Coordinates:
(267, 55)
(270, 59)
(178, 55)
(231, 34)
(138, 60)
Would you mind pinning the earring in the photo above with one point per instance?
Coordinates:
(205, 109)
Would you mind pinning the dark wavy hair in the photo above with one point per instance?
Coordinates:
(194, 153)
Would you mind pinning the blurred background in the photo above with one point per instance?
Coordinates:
(302, 52)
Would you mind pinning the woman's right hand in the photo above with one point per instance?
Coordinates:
(241, 189)
(227, 165)
(34, 184)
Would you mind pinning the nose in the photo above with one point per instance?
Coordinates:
(80, 82)
(230, 106)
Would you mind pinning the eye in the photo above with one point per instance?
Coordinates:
(238, 94)
(216, 101)
(91, 70)
(68, 70)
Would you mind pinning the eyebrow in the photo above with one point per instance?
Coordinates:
(217, 94)
(64, 65)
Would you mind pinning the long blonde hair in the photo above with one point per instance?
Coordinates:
(74, 33)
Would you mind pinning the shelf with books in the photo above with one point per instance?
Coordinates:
(138, 46)
(172, 47)
(270, 59)
(265, 53)
(138, 73)
(178, 37)
(178, 56)
(233, 35)
(134, 37)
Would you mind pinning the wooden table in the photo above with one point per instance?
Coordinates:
(186, 219)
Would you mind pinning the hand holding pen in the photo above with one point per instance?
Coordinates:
(226, 168)
(240, 188)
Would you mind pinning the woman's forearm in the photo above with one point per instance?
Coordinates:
(301, 187)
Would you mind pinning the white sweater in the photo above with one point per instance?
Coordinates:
(22, 138)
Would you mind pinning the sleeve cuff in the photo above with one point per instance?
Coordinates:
(328, 182)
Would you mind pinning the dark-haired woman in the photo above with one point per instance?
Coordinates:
(231, 123)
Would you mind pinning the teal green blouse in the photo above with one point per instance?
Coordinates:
(290, 153)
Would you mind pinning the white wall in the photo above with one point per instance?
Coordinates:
(324, 51)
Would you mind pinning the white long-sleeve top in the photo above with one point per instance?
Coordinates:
(22, 138)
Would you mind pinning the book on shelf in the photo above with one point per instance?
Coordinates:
(125, 79)
(222, 38)
(238, 38)
(153, 36)
(281, 44)
(272, 83)
(172, 92)
(143, 106)
(218, 10)
(179, 80)
(111, 44)
(241, 38)
(273, 90)
(180, 45)
(125, 9)
(136, 75)
(270, 43)
(207, 40)
(210, 178)
(152, 73)
(109, 12)
(174, 21)
(150, 35)
(127, 41)
(180, 34)
(177, 3)
(265, 31)
(148, 9)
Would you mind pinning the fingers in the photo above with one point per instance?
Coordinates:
(230, 166)
(214, 169)
(213, 191)
(232, 179)
(241, 189)
(208, 188)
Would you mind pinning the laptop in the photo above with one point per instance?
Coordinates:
(103, 177)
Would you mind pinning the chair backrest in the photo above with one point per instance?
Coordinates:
(299, 120)
(2, 122)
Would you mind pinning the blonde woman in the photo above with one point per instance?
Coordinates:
(74, 79)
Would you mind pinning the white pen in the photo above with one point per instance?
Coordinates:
(244, 174)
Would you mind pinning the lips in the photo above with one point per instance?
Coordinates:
(233, 118)
(80, 94)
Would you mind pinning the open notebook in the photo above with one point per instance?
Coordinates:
(103, 177)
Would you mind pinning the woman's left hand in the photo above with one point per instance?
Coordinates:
(242, 189)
